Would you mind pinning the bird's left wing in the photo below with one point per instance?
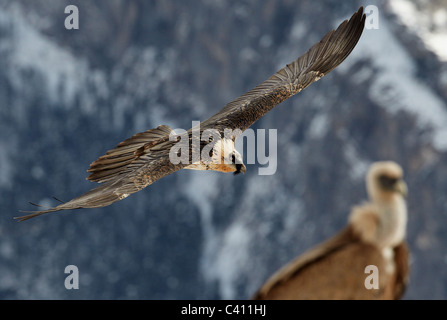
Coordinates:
(134, 164)
(401, 260)
(336, 243)
(318, 61)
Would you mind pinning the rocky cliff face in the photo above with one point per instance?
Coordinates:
(67, 96)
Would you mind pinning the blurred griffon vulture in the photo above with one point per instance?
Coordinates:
(375, 236)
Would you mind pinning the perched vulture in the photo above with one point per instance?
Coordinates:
(149, 156)
(368, 259)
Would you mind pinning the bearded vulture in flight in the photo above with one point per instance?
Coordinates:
(344, 267)
(145, 158)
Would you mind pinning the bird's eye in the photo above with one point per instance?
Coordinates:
(387, 182)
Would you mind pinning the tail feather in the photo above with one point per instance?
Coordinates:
(115, 170)
(101, 196)
(34, 213)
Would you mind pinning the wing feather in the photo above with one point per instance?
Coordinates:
(338, 242)
(319, 60)
(134, 164)
(401, 260)
(115, 161)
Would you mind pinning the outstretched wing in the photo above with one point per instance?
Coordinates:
(294, 77)
(134, 164)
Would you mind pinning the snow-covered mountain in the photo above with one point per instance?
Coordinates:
(68, 96)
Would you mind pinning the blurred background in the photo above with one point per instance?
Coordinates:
(68, 96)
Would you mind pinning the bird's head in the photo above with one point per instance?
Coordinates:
(382, 221)
(384, 181)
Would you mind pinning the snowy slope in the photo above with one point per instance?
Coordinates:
(66, 97)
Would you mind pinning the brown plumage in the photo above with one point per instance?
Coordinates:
(144, 158)
(375, 235)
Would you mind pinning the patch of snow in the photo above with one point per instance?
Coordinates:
(359, 166)
(6, 166)
(395, 87)
(318, 126)
(224, 254)
(298, 30)
(230, 253)
(201, 190)
(30, 49)
(430, 26)
(37, 172)
(266, 41)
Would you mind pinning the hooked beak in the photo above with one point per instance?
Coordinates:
(402, 188)
(240, 167)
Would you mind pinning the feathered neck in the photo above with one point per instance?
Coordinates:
(381, 223)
